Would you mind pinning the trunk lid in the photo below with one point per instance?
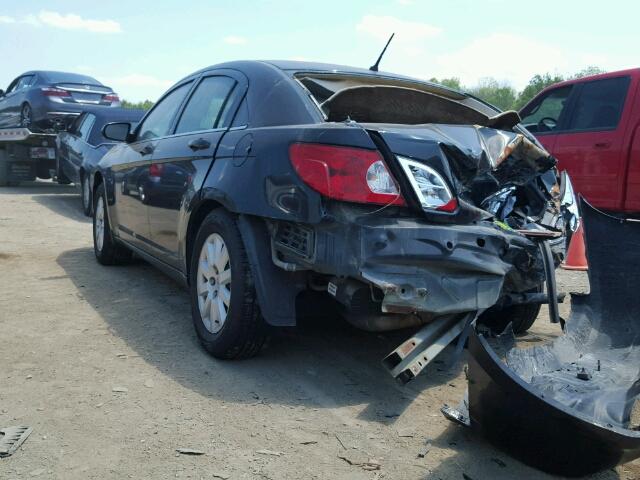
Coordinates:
(85, 93)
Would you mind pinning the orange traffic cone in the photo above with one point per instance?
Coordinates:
(576, 258)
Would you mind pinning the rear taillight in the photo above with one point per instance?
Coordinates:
(156, 169)
(430, 187)
(54, 92)
(111, 97)
(345, 173)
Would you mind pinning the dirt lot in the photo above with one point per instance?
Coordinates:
(104, 364)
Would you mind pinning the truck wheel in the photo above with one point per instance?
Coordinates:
(225, 312)
(4, 169)
(522, 317)
(85, 189)
(106, 249)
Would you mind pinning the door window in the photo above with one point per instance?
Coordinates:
(545, 113)
(24, 82)
(158, 122)
(204, 109)
(85, 128)
(13, 86)
(599, 104)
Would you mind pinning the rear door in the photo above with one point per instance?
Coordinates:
(181, 161)
(10, 104)
(592, 147)
(134, 188)
(546, 116)
(79, 145)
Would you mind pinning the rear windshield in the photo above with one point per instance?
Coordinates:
(62, 77)
(380, 99)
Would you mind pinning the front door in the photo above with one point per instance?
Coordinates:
(182, 160)
(134, 187)
(592, 147)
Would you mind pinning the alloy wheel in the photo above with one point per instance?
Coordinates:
(214, 283)
(25, 116)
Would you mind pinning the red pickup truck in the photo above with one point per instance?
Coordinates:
(592, 126)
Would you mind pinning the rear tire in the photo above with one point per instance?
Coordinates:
(224, 307)
(106, 249)
(85, 195)
(522, 317)
(26, 116)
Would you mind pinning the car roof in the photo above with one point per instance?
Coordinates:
(115, 114)
(295, 66)
(632, 72)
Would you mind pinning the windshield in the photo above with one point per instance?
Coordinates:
(63, 77)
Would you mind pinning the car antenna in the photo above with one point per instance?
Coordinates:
(374, 67)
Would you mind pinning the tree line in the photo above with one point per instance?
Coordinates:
(504, 96)
(500, 94)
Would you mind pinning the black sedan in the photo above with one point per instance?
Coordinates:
(81, 147)
(42, 100)
(403, 201)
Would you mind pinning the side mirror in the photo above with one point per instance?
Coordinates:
(118, 131)
(1, 93)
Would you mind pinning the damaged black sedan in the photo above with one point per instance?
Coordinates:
(406, 202)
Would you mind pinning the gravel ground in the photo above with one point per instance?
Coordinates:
(105, 366)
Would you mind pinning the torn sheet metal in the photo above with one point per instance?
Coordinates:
(11, 438)
(569, 407)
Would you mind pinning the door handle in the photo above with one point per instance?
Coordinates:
(199, 144)
(602, 144)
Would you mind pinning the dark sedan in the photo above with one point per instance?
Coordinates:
(82, 146)
(42, 100)
(405, 202)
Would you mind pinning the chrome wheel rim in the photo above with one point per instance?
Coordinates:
(86, 193)
(26, 116)
(99, 221)
(214, 283)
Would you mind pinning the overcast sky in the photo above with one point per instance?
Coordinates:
(140, 47)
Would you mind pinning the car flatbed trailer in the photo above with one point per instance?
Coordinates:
(25, 155)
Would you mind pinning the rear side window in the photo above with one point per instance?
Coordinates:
(25, 82)
(599, 104)
(205, 107)
(158, 121)
(544, 114)
(85, 128)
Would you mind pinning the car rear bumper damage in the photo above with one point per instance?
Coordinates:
(409, 266)
(569, 407)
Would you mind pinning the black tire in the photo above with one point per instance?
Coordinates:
(85, 195)
(108, 252)
(522, 317)
(243, 331)
(4, 169)
(26, 116)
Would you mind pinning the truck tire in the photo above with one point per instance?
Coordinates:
(4, 168)
(522, 317)
(106, 249)
(224, 307)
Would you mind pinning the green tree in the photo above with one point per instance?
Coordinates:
(144, 105)
(588, 71)
(453, 82)
(499, 94)
(535, 86)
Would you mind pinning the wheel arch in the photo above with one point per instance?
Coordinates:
(195, 220)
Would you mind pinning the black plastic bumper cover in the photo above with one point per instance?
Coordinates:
(566, 407)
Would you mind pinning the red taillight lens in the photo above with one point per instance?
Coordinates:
(345, 173)
(111, 97)
(54, 92)
(156, 169)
